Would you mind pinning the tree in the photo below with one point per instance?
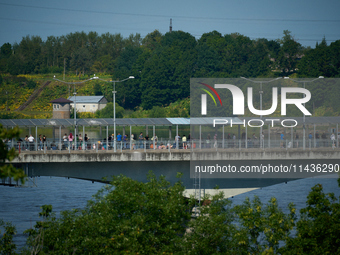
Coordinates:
(29, 52)
(97, 89)
(209, 55)
(5, 53)
(166, 73)
(289, 53)
(125, 217)
(128, 93)
(321, 61)
(81, 60)
(152, 40)
(319, 225)
(128, 216)
(6, 50)
(107, 112)
(250, 228)
(6, 241)
(157, 112)
(6, 169)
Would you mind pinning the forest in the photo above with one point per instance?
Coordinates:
(162, 64)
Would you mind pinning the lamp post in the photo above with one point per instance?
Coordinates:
(75, 104)
(304, 117)
(261, 92)
(114, 106)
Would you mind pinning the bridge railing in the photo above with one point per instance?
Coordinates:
(192, 144)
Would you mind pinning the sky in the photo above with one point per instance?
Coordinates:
(308, 20)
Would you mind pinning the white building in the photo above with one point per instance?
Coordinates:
(88, 103)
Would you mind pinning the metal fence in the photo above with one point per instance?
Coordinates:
(166, 144)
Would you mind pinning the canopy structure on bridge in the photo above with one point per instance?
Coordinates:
(85, 122)
(109, 122)
(151, 121)
(306, 120)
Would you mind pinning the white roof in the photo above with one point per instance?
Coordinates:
(86, 99)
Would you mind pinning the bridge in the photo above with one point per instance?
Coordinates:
(167, 156)
(94, 165)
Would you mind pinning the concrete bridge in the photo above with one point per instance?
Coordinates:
(94, 165)
(52, 156)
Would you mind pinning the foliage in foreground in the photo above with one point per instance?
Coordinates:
(155, 218)
(128, 216)
(6, 241)
(8, 170)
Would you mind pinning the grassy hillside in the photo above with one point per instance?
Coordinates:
(20, 88)
(16, 90)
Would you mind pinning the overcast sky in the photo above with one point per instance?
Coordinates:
(308, 20)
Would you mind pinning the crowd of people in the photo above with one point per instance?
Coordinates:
(134, 142)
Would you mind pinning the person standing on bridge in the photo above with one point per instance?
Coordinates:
(147, 141)
(125, 139)
(85, 140)
(333, 140)
(26, 143)
(31, 141)
(70, 140)
(44, 141)
(262, 140)
(40, 143)
(297, 139)
(119, 141)
(81, 142)
(141, 138)
(132, 142)
(65, 141)
(184, 140)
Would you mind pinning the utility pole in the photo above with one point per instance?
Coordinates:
(64, 71)
(170, 28)
(6, 100)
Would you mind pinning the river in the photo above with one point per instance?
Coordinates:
(21, 206)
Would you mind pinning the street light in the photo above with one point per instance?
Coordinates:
(114, 106)
(75, 104)
(304, 117)
(261, 92)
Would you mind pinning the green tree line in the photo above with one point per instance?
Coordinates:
(164, 63)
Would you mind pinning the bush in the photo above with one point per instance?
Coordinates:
(125, 217)
(31, 84)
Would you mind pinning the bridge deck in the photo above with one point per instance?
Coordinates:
(175, 155)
